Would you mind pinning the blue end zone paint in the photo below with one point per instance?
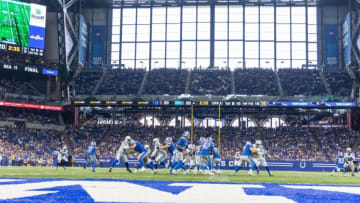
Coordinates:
(75, 193)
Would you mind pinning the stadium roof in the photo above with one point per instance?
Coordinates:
(144, 3)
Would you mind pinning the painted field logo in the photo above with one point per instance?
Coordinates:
(62, 190)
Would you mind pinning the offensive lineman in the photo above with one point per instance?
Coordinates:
(122, 154)
(205, 151)
(147, 161)
(62, 157)
(159, 154)
(170, 148)
(349, 161)
(259, 157)
(340, 162)
(245, 157)
(139, 148)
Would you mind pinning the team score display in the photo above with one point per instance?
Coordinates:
(14, 48)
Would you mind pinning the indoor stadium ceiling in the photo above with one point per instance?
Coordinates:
(144, 3)
(130, 3)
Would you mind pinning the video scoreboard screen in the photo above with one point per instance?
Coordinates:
(22, 27)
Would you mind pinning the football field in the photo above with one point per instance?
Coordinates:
(42, 184)
(14, 23)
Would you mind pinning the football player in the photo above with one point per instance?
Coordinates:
(62, 157)
(143, 153)
(122, 154)
(181, 146)
(158, 154)
(147, 161)
(340, 162)
(349, 161)
(205, 151)
(246, 157)
(189, 161)
(90, 156)
(216, 160)
(259, 157)
(170, 148)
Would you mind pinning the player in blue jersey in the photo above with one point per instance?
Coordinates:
(246, 157)
(181, 146)
(206, 150)
(139, 148)
(171, 149)
(147, 161)
(90, 156)
(340, 162)
(216, 160)
(197, 157)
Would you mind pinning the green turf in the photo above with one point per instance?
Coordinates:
(102, 173)
(14, 23)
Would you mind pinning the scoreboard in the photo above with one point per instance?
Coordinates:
(22, 27)
(22, 50)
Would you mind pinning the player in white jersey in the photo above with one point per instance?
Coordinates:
(62, 157)
(259, 157)
(237, 158)
(121, 154)
(349, 161)
(159, 154)
(189, 160)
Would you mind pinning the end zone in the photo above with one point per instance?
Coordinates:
(104, 190)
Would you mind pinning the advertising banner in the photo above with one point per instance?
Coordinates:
(98, 45)
(331, 49)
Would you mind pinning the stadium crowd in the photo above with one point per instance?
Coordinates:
(86, 81)
(121, 82)
(339, 82)
(29, 115)
(285, 143)
(23, 146)
(166, 81)
(211, 82)
(256, 82)
(301, 82)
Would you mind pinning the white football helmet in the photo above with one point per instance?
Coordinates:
(156, 141)
(128, 139)
(348, 150)
(147, 147)
(258, 142)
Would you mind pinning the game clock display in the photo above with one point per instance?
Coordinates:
(22, 27)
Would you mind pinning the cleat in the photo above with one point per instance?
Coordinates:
(129, 170)
(233, 173)
(250, 173)
(93, 171)
(84, 167)
(257, 172)
(210, 174)
(143, 169)
(110, 170)
(271, 174)
(135, 171)
(154, 172)
(174, 173)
